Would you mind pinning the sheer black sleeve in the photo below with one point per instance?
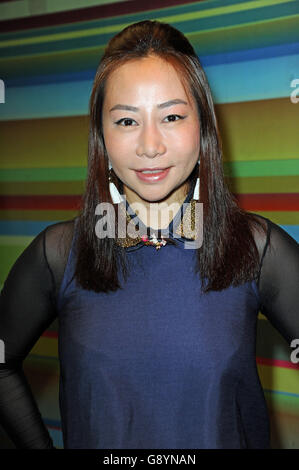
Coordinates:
(278, 281)
(27, 308)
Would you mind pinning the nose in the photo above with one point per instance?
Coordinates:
(150, 142)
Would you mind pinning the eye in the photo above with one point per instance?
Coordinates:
(173, 117)
(126, 122)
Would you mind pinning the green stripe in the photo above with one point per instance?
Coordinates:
(252, 5)
(245, 36)
(262, 168)
(246, 6)
(232, 169)
(8, 256)
(9, 10)
(25, 8)
(48, 362)
(282, 403)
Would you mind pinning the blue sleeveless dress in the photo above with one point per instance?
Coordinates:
(157, 364)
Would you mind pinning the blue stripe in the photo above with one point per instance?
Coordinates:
(235, 82)
(278, 392)
(206, 61)
(80, 76)
(126, 18)
(292, 230)
(255, 80)
(33, 228)
(251, 54)
(61, 99)
(23, 227)
(63, 45)
(52, 422)
(56, 436)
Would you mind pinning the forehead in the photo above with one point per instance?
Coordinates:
(151, 75)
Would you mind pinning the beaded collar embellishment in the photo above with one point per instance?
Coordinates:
(184, 229)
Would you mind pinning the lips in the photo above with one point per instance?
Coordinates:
(154, 175)
(152, 169)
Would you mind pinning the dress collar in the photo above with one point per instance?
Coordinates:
(182, 225)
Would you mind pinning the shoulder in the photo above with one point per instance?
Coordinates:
(53, 239)
(59, 236)
(57, 242)
(271, 239)
(261, 229)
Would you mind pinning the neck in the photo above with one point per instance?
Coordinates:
(157, 214)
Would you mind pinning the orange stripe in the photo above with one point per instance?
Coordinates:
(252, 202)
(277, 363)
(40, 202)
(50, 334)
(269, 202)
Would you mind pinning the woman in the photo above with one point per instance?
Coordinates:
(156, 341)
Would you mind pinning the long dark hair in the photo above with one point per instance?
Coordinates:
(228, 255)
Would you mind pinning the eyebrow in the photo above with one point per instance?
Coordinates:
(125, 107)
(171, 103)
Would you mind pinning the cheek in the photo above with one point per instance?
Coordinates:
(114, 145)
(188, 142)
(194, 139)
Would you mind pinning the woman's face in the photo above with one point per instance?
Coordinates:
(149, 122)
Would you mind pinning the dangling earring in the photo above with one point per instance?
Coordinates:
(196, 189)
(115, 196)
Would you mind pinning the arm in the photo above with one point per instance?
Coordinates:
(279, 281)
(27, 309)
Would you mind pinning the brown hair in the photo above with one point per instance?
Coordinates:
(228, 255)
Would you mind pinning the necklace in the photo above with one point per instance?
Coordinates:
(185, 229)
(153, 241)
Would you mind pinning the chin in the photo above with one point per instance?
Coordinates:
(148, 196)
(153, 197)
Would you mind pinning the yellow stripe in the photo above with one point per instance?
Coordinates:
(168, 19)
(281, 218)
(238, 126)
(46, 347)
(46, 188)
(279, 378)
(263, 184)
(262, 317)
(15, 240)
(246, 6)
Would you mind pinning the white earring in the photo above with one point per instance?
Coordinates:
(196, 189)
(114, 193)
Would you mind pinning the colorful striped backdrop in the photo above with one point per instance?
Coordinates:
(49, 52)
